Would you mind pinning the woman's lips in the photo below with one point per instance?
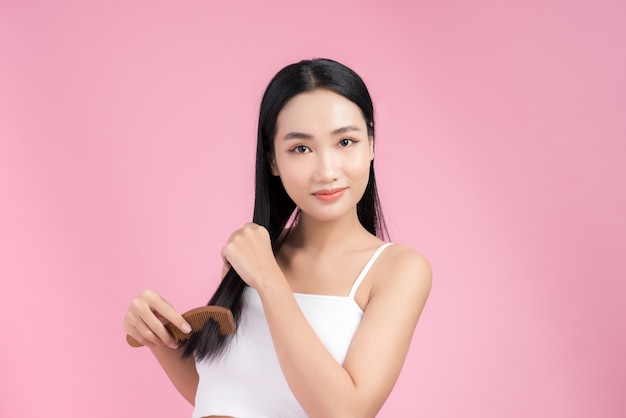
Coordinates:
(329, 195)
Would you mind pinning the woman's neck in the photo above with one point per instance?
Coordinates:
(321, 236)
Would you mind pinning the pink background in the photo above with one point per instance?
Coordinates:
(127, 134)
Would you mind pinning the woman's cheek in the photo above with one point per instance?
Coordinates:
(293, 177)
(358, 164)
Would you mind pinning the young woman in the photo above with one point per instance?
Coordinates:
(325, 310)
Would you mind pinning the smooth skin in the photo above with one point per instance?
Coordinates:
(321, 145)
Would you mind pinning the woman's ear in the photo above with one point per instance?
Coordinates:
(371, 140)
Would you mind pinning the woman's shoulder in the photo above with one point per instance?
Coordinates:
(404, 253)
(401, 268)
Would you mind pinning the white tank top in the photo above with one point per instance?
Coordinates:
(247, 381)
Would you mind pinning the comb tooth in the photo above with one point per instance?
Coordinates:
(222, 322)
(226, 322)
(176, 333)
(199, 316)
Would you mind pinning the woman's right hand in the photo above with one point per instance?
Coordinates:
(145, 318)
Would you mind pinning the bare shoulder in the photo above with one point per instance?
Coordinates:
(402, 269)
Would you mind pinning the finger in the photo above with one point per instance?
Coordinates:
(258, 230)
(146, 320)
(147, 340)
(168, 312)
(235, 233)
(154, 330)
(137, 329)
(255, 226)
(226, 254)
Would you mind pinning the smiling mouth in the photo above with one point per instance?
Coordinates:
(329, 191)
(330, 194)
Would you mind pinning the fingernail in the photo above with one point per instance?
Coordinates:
(187, 328)
(174, 346)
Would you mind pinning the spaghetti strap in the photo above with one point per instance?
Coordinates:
(367, 267)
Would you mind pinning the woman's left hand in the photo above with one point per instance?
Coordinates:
(249, 252)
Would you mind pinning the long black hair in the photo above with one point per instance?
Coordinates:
(273, 208)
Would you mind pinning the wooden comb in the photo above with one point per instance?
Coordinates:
(197, 318)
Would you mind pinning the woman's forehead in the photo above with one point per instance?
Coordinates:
(318, 110)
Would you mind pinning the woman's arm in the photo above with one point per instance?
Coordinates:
(182, 372)
(359, 388)
(322, 386)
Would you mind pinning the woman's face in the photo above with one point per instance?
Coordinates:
(322, 153)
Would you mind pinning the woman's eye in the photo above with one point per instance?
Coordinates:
(346, 142)
(300, 149)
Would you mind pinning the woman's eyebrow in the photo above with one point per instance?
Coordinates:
(297, 135)
(345, 129)
(338, 131)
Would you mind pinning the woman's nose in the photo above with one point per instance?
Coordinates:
(327, 168)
